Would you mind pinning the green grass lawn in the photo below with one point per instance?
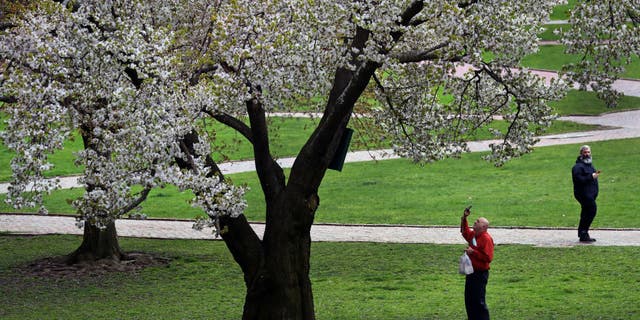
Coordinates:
(531, 191)
(552, 57)
(561, 12)
(288, 138)
(549, 57)
(535, 190)
(350, 281)
(586, 103)
(548, 34)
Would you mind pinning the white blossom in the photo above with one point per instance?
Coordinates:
(605, 35)
(134, 77)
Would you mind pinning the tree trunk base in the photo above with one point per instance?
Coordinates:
(98, 244)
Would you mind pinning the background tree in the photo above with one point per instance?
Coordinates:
(105, 71)
(606, 36)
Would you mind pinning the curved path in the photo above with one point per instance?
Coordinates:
(623, 125)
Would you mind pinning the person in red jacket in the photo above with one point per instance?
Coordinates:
(480, 251)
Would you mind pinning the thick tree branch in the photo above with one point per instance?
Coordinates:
(8, 99)
(406, 17)
(466, 4)
(416, 56)
(317, 153)
(244, 245)
(195, 78)
(187, 146)
(6, 25)
(133, 76)
(270, 173)
(426, 55)
(238, 235)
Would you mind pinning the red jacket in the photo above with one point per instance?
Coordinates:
(482, 250)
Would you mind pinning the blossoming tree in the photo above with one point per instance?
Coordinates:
(606, 36)
(137, 79)
(108, 72)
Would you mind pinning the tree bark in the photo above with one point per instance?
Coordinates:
(97, 244)
(277, 279)
(279, 286)
(276, 269)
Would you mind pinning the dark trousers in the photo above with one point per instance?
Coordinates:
(588, 209)
(475, 289)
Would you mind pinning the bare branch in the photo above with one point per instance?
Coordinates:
(233, 123)
(135, 203)
(393, 110)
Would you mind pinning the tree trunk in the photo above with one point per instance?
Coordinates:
(282, 289)
(276, 269)
(278, 284)
(97, 244)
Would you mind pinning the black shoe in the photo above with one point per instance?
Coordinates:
(587, 239)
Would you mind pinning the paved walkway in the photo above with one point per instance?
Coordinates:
(623, 125)
(182, 229)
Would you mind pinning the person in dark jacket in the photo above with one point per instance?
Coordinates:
(585, 190)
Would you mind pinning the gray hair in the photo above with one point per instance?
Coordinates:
(583, 148)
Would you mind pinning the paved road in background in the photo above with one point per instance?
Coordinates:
(621, 125)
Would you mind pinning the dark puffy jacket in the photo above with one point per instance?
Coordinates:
(584, 185)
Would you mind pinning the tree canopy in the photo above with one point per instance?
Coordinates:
(110, 71)
(136, 76)
(140, 80)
